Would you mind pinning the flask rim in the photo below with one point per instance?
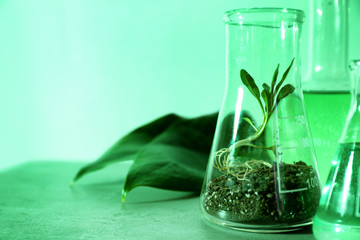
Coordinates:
(264, 16)
(354, 64)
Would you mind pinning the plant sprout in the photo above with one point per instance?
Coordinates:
(268, 100)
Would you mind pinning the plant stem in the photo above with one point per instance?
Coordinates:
(257, 134)
(248, 140)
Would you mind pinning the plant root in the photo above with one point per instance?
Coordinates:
(235, 168)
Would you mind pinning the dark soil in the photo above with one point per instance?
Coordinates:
(257, 199)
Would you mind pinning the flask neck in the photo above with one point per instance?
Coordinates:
(352, 127)
(355, 90)
(355, 99)
(327, 69)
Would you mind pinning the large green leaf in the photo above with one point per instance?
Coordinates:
(175, 159)
(284, 92)
(284, 76)
(249, 82)
(128, 146)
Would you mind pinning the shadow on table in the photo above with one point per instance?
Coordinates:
(152, 195)
(212, 229)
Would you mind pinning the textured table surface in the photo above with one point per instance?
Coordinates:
(36, 202)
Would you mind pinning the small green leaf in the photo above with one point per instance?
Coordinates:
(273, 82)
(284, 76)
(227, 126)
(266, 87)
(176, 159)
(249, 82)
(267, 99)
(245, 129)
(284, 92)
(128, 146)
(250, 122)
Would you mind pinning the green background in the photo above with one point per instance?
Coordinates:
(76, 75)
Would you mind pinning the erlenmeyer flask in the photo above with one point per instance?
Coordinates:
(326, 84)
(338, 216)
(262, 173)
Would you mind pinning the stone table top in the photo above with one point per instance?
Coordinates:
(37, 202)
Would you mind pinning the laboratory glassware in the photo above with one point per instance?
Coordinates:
(326, 83)
(338, 215)
(262, 174)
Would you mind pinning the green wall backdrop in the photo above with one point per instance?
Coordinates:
(76, 75)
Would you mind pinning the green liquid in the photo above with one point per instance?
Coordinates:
(326, 114)
(338, 216)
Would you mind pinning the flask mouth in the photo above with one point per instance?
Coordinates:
(268, 17)
(354, 64)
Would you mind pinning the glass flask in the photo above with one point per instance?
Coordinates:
(262, 174)
(326, 85)
(338, 216)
